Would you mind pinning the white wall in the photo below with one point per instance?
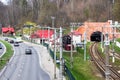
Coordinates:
(76, 39)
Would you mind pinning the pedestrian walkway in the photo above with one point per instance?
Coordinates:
(46, 61)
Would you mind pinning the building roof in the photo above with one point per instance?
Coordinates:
(7, 29)
(42, 34)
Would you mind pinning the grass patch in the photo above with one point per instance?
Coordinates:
(9, 52)
(116, 48)
(118, 39)
(14, 37)
(82, 70)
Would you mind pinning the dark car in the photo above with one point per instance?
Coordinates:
(16, 44)
(11, 41)
(6, 39)
(0, 46)
(28, 51)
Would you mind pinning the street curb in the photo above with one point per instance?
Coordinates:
(5, 67)
(4, 49)
(1, 72)
(42, 66)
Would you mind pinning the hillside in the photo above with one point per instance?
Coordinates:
(64, 11)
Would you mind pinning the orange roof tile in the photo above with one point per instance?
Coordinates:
(91, 27)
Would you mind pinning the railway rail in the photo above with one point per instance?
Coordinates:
(100, 63)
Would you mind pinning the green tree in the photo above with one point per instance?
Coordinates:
(48, 9)
(116, 10)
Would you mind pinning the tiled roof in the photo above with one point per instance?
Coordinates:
(42, 34)
(7, 29)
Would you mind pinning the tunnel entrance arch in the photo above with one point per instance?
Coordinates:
(96, 36)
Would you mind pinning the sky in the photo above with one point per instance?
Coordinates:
(4, 1)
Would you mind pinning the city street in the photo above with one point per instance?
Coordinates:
(24, 67)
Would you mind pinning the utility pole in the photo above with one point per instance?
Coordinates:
(72, 5)
(107, 73)
(85, 46)
(55, 54)
(58, 4)
(71, 50)
(102, 39)
(113, 58)
(61, 58)
(71, 58)
(42, 36)
(53, 21)
(113, 51)
(72, 25)
(48, 38)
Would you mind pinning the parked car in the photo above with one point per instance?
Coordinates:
(6, 39)
(0, 46)
(16, 44)
(28, 51)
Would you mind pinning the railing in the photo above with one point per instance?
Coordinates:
(69, 74)
(67, 71)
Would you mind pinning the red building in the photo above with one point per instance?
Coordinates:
(7, 30)
(43, 34)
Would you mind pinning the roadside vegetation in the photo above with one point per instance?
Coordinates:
(85, 70)
(6, 57)
(117, 50)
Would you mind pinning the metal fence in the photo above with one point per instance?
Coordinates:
(67, 71)
(69, 74)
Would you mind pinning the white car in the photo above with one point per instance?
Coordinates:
(18, 39)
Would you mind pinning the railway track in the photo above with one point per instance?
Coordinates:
(100, 63)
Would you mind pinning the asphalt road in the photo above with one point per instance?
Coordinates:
(2, 50)
(24, 67)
